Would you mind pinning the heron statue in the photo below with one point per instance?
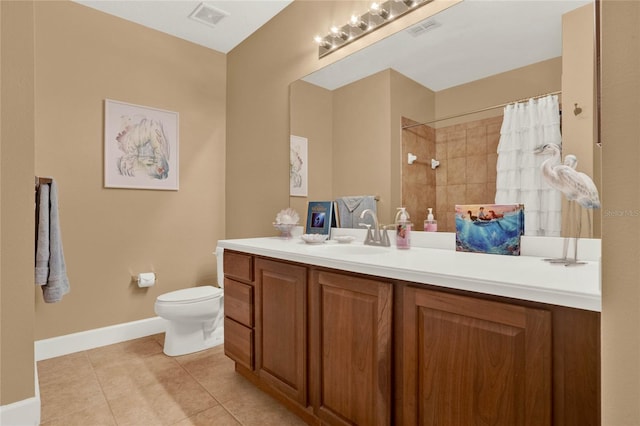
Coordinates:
(576, 186)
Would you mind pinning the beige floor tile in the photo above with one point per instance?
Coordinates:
(131, 374)
(162, 390)
(69, 395)
(159, 338)
(157, 405)
(132, 349)
(136, 410)
(256, 408)
(60, 368)
(216, 416)
(216, 373)
(99, 415)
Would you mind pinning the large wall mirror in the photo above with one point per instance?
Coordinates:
(437, 90)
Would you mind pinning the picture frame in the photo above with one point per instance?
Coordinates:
(489, 228)
(298, 166)
(141, 147)
(321, 217)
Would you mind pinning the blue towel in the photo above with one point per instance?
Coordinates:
(51, 271)
(350, 208)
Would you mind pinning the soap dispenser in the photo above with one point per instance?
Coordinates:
(430, 224)
(403, 229)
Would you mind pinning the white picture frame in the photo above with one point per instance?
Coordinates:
(140, 147)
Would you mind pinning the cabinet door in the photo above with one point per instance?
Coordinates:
(468, 361)
(350, 347)
(281, 327)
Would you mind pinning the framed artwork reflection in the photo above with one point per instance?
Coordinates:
(298, 166)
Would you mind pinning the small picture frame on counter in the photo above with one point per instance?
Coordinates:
(321, 217)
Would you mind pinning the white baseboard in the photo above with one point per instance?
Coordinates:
(25, 412)
(84, 340)
(21, 413)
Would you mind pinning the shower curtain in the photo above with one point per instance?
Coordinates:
(525, 126)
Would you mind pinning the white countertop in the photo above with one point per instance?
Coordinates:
(520, 277)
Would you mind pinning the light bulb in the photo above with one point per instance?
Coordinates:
(356, 21)
(322, 42)
(377, 9)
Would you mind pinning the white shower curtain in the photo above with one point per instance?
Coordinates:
(525, 126)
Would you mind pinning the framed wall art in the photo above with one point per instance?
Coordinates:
(140, 147)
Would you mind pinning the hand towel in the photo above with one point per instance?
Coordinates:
(350, 208)
(50, 269)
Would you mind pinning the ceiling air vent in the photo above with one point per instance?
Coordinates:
(208, 15)
(423, 27)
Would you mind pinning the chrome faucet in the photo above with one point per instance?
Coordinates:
(378, 236)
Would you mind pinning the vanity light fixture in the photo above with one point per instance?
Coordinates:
(379, 14)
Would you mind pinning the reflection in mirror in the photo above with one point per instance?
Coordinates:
(455, 72)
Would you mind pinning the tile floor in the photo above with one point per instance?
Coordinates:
(135, 383)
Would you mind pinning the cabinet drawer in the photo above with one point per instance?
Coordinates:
(238, 265)
(238, 301)
(238, 343)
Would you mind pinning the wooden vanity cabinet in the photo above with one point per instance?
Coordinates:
(470, 361)
(281, 327)
(350, 349)
(238, 308)
(340, 348)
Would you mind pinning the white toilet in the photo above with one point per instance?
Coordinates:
(194, 316)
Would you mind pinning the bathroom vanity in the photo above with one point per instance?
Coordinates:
(352, 334)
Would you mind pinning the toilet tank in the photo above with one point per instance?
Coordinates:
(219, 256)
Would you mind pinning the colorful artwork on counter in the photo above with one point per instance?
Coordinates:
(489, 228)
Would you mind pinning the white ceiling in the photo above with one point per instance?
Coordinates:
(172, 17)
(492, 35)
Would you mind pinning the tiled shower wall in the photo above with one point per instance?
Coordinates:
(467, 173)
(418, 179)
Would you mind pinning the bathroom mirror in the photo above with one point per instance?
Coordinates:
(465, 62)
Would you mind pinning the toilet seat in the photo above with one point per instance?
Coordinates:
(191, 295)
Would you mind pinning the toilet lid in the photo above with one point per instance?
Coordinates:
(193, 294)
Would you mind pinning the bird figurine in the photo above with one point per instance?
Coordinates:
(576, 186)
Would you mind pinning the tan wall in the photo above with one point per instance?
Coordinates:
(311, 115)
(82, 57)
(621, 213)
(577, 85)
(361, 141)
(578, 80)
(16, 199)
(522, 83)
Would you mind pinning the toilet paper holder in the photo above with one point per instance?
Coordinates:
(145, 279)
